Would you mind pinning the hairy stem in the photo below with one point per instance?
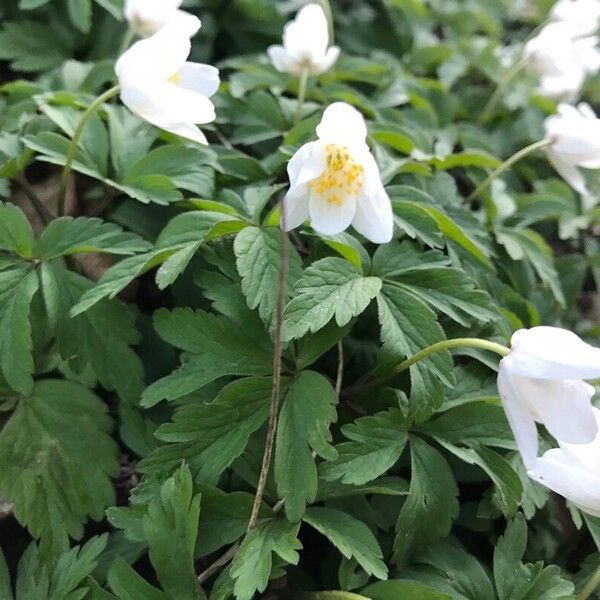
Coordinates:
(340, 369)
(509, 162)
(508, 76)
(437, 347)
(275, 390)
(592, 583)
(72, 150)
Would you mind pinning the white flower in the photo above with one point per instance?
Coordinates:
(562, 59)
(573, 471)
(574, 134)
(146, 17)
(305, 44)
(584, 15)
(541, 379)
(161, 87)
(335, 181)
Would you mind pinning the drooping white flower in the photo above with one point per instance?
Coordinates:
(305, 44)
(146, 17)
(542, 379)
(562, 58)
(584, 15)
(161, 87)
(574, 134)
(573, 471)
(335, 180)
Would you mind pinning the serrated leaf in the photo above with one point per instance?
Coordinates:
(408, 326)
(82, 340)
(128, 585)
(210, 437)
(80, 13)
(377, 443)
(253, 561)
(330, 287)
(431, 504)
(66, 236)
(396, 589)
(306, 414)
(257, 252)
(16, 235)
(17, 288)
(350, 536)
(171, 526)
(58, 458)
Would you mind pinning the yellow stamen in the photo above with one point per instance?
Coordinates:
(175, 78)
(342, 177)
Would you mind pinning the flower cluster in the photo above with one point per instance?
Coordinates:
(542, 380)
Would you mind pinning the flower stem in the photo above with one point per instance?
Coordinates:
(302, 84)
(437, 347)
(329, 16)
(72, 150)
(508, 76)
(509, 162)
(592, 583)
(276, 387)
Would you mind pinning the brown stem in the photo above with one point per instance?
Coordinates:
(340, 370)
(42, 212)
(275, 390)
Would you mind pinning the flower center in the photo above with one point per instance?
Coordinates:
(341, 178)
(175, 78)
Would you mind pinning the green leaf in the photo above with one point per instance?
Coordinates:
(329, 287)
(428, 276)
(396, 589)
(5, 586)
(431, 504)
(304, 420)
(17, 288)
(217, 346)
(32, 47)
(224, 518)
(253, 561)
(532, 581)
(82, 340)
(171, 526)
(16, 235)
(408, 326)
(66, 236)
(257, 252)
(80, 13)
(74, 566)
(377, 443)
(350, 536)
(58, 458)
(210, 437)
(128, 585)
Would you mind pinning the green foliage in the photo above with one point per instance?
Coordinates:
(138, 326)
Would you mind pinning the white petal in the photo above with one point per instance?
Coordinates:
(519, 418)
(568, 172)
(184, 23)
(200, 78)
(553, 353)
(328, 61)
(166, 104)
(558, 472)
(374, 218)
(342, 124)
(562, 405)
(281, 60)
(330, 218)
(186, 130)
(156, 58)
(295, 206)
(146, 17)
(307, 37)
(306, 164)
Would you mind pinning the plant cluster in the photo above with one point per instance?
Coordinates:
(252, 309)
